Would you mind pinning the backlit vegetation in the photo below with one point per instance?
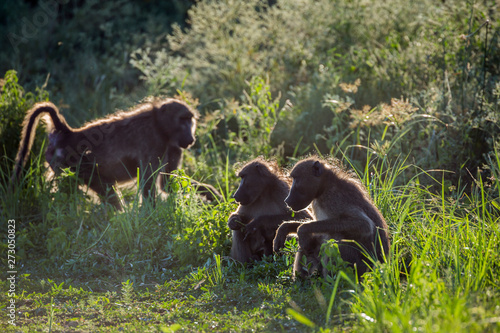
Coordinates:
(407, 95)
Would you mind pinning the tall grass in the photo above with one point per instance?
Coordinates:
(442, 274)
(442, 271)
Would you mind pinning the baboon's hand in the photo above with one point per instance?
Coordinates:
(283, 231)
(279, 241)
(235, 222)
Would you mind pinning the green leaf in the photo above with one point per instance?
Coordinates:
(300, 317)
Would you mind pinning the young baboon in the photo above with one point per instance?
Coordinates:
(262, 209)
(342, 210)
(109, 150)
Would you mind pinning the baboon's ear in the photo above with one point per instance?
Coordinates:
(317, 168)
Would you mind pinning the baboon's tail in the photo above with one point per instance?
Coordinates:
(28, 134)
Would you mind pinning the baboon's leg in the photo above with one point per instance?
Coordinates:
(148, 179)
(240, 249)
(174, 158)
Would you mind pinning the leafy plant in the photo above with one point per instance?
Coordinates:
(256, 119)
(14, 103)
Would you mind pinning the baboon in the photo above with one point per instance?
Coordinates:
(342, 210)
(262, 209)
(110, 150)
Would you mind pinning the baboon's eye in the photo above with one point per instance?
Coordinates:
(296, 183)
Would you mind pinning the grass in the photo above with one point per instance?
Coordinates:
(410, 104)
(85, 267)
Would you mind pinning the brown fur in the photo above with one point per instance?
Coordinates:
(342, 210)
(110, 150)
(262, 209)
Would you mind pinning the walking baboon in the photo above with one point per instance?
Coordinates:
(342, 210)
(110, 150)
(262, 209)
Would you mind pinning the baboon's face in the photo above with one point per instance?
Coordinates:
(252, 184)
(186, 128)
(179, 122)
(307, 180)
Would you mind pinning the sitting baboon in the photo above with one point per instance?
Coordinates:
(342, 210)
(110, 150)
(262, 209)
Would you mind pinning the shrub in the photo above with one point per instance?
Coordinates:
(14, 103)
(420, 60)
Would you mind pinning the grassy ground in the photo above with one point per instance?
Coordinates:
(406, 95)
(165, 269)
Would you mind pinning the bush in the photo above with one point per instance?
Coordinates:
(419, 63)
(14, 103)
(85, 47)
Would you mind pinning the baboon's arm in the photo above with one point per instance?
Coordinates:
(267, 222)
(174, 154)
(283, 231)
(237, 221)
(352, 225)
